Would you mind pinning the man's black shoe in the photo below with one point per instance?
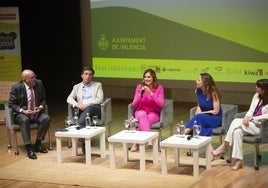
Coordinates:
(40, 149)
(31, 154)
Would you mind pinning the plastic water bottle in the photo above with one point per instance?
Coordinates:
(132, 124)
(76, 119)
(87, 121)
(195, 135)
(182, 129)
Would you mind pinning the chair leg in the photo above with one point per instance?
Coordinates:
(109, 129)
(9, 146)
(171, 129)
(49, 139)
(189, 153)
(69, 143)
(256, 153)
(220, 141)
(160, 138)
(16, 144)
(69, 139)
(230, 155)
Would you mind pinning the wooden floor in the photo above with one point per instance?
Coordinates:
(221, 178)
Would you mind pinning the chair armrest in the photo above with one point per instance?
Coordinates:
(264, 131)
(106, 110)
(192, 112)
(166, 115)
(240, 115)
(228, 114)
(9, 117)
(130, 110)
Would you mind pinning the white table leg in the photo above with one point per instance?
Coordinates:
(88, 151)
(155, 151)
(102, 145)
(142, 157)
(59, 152)
(164, 161)
(177, 156)
(74, 147)
(112, 155)
(125, 152)
(208, 156)
(196, 162)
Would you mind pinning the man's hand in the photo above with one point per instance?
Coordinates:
(82, 107)
(28, 112)
(38, 109)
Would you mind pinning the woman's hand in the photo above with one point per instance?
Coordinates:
(147, 89)
(246, 120)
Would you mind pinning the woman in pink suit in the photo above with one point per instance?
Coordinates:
(148, 102)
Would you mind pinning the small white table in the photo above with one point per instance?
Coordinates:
(138, 137)
(195, 144)
(74, 134)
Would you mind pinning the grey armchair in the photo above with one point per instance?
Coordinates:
(256, 141)
(228, 113)
(166, 117)
(14, 128)
(106, 114)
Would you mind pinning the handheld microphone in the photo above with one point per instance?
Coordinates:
(190, 137)
(142, 91)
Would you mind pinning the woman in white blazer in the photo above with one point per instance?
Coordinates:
(249, 125)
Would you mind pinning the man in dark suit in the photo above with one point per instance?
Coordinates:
(27, 100)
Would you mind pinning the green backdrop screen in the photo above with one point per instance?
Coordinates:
(180, 39)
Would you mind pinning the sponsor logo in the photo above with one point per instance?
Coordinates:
(103, 43)
(7, 41)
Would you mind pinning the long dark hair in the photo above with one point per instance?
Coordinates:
(263, 84)
(210, 86)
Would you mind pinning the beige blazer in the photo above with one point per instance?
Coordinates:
(75, 96)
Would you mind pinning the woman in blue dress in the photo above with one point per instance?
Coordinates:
(209, 112)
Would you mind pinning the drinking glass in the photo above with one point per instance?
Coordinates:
(181, 130)
(68, 121)
(198, 130)
(95, 120)
(178, 129)
(132, 126)
(126, 123)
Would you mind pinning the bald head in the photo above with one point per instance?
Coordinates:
(26, 73)
(28, 76)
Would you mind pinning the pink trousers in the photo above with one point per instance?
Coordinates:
(146, 119)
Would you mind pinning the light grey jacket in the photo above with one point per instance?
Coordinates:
(75, 96)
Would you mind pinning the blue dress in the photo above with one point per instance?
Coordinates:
(207, 121)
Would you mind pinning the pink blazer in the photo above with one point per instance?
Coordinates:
(147, 102)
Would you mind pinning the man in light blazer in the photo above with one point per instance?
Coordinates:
(19, 102)
(86, 96)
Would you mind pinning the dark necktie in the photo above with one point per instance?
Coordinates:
(31, 103)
